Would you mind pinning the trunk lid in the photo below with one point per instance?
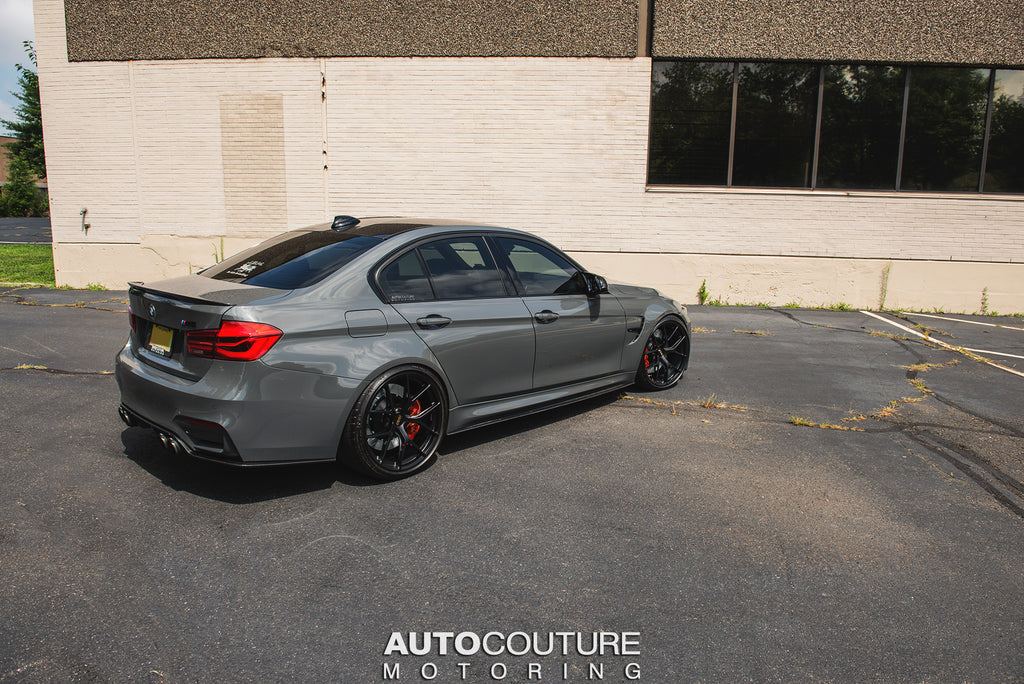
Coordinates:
(166, 311)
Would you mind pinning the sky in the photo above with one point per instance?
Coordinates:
(16, 25)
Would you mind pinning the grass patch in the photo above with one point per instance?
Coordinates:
(26, 264)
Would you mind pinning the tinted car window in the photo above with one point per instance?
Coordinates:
(542, 271)
(462, 268)
(299, 260)
(404, 280)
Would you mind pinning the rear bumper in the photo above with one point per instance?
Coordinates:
(266, 415)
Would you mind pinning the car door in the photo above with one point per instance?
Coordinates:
(453, 295)
(578, 337)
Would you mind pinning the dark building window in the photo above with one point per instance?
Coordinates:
(837, 126)
(1004, 168)
(690, 115)
(775, 112)
(945, 129)
(861, 115)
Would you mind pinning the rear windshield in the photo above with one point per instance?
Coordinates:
(294, 261)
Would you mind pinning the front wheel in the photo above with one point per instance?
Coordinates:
(397, 424)
(664, 357)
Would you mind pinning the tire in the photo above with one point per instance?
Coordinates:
(665, 355)
(397, 425)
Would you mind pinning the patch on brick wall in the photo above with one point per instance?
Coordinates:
(100, 30)
(252, 145)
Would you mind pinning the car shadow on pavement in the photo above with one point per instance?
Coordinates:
(232, 484)
(244, 485)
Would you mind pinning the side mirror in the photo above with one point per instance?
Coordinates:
(595, 284)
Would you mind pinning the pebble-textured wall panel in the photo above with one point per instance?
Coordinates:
(921, 31)
(100, 30)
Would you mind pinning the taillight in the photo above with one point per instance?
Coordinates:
(133, 321)
(233, 341)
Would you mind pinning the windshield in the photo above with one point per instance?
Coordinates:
(293, 262)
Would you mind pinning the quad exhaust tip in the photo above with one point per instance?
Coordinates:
(171, 442)
(127, 419)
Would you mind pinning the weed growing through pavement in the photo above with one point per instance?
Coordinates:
(710, 403)
(919, 385)
(797, 420)
(702, 292)
(924, 366)
(931, 332)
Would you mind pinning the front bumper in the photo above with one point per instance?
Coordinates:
(266, 415)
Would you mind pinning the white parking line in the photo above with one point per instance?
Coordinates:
(961, 320)
(993, 353)
(947, 346)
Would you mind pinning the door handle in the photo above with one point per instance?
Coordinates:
(546, 316)
(433, 322)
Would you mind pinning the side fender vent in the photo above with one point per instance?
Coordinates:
(635, 326)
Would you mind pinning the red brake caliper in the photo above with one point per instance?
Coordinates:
(412, 428)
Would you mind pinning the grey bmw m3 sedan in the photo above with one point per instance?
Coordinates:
(369, 340)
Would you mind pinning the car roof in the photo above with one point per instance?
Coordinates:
(387, 226)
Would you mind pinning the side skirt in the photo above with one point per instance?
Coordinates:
(472, 416)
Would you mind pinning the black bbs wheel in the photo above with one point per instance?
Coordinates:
(665, 356)
(397, 424)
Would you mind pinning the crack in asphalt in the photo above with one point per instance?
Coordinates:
(51, 371)
(21, 300)
(1010, 495)
(1005, 489)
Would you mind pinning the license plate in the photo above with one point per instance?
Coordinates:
(160, 339)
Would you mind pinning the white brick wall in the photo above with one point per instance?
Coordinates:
(556, 146)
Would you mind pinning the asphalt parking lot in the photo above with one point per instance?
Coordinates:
(32, 231)
(727, 521)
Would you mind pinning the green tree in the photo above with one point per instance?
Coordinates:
(28, 126)
(19, 195)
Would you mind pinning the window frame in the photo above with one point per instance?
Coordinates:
(514, 273)
(375, 272)
(895, 189)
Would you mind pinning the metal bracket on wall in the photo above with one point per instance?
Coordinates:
(85, 226)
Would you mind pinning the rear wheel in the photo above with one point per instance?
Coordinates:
(397, 424)
(664, 356)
